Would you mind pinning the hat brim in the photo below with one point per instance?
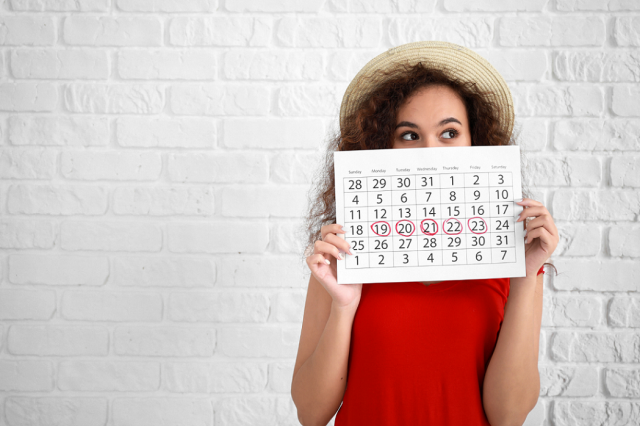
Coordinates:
(458, 61)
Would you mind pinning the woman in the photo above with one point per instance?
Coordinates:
(448, 353)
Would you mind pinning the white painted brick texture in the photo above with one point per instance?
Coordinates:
(155, 157)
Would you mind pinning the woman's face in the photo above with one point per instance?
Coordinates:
(432, 117)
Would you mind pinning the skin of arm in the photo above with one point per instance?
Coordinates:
(320, 373)
(512, 382)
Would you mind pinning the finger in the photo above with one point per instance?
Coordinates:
(542, 221)
(532, 212)
(546, 239)
(338, 242)
(326, 248)
(315, 259)
(529, 202)
(333, 228)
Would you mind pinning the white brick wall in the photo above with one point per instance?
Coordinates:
(154, 162)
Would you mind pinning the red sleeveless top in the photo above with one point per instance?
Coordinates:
(419, 353)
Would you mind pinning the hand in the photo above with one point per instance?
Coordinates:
(323, 266)
(541, 234)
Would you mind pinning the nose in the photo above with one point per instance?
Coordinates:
(428, 142)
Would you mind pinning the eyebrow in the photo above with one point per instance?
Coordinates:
(441, 123)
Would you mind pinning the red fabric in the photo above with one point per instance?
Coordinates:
(419, 353)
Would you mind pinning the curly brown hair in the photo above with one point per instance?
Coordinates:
(373, 123)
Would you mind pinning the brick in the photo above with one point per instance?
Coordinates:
(274, 201)
(218, 237)
(596, 66)
(214, 377)
(309, 100)
(571, 311)
(626, 31)
(58, 130)
(570, 204)
(281, 376)
(157, 410)
(220, 31)
(531, 134)
(493, 6)
(24, 234)
(624, 240)
(578, 240)
(289, 306)
(334, 32)
(288, 237)
(24, 30)
(218, 307)
(624, 312)
(112, 31)
(163, 200)
(569, 346)
(569, 381)
(183, 132)
(263, 271)
(114, 98)
(622, 382)
(597, 135)
(112, 165)
(567, 413)
(553, 101)
(470, 32)
(113, 305)
(273, 133)
(60, 5)
(384, 6)
(26, 376)
(597, 275)
(567, 171)
(294, 167)
(272, 6)
(28, 97)
(256, 410)
(167, 64)
(27, 305)
(61, 64)
(518, 65)
(224, 100)
(92, 411)
(109, 376)
(164, 341)
(344, 64)
(593, 5)
(624, 171)
(110, 236)
(259, 341)
(57, 199)
(55, 269)
(179, 272)
(219, 167)
(551, 31)
(53, 340)
(27, 163)
(167, 5)
(278, 65)
(624, 100)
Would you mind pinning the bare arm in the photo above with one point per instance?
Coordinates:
(320, 373)
(512, 381)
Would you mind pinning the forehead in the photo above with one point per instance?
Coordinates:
(433, 101)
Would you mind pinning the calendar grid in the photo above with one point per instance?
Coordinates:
(426, 220)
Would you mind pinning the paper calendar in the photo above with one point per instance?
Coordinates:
(430, 214)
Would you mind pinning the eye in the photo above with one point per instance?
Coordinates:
(452, 132)
(402, 136)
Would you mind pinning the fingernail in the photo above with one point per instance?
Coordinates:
(327, 261)
(340, 256)
(525, 232)
(342, 228)
(350, 253)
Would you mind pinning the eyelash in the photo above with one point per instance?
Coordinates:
(455, 133)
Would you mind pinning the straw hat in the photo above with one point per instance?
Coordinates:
(458, 61)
